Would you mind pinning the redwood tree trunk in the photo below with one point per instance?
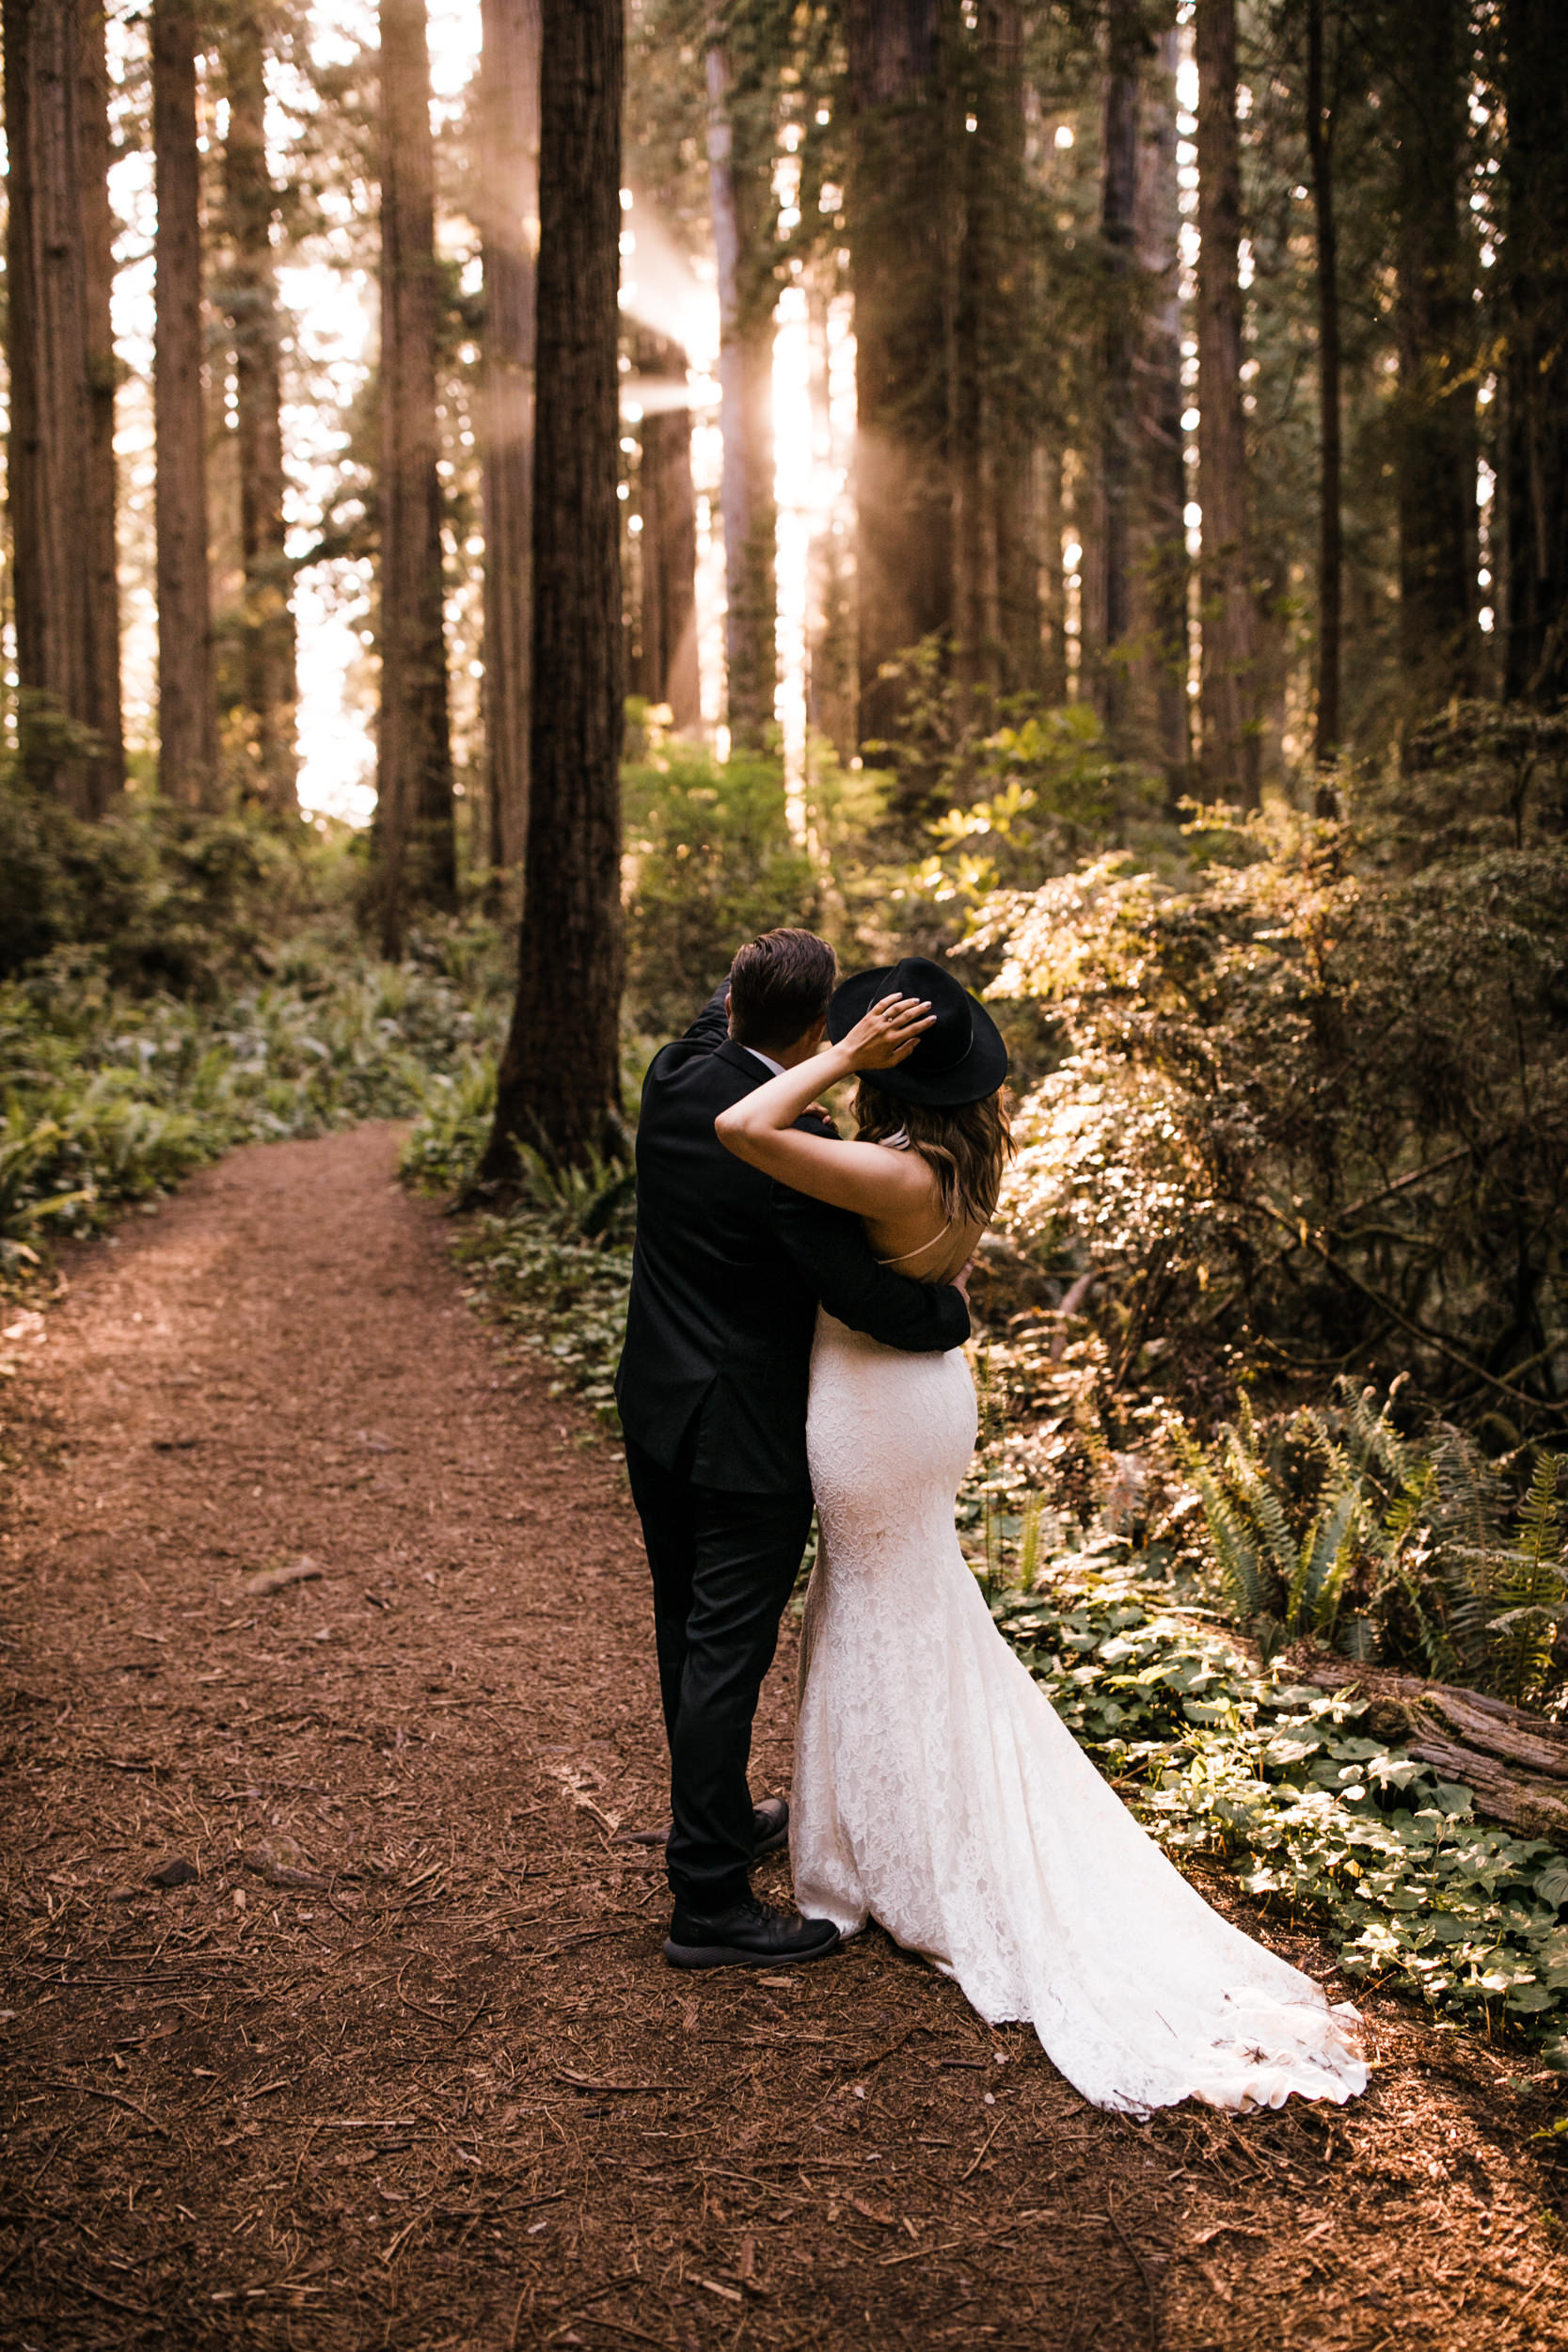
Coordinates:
(559, 1082)
(667, 547)
(509, 203)
(101, 508)
(1159, 678)
(1436, 440)
(995, 558)
(188, 702)
(898, 200)
(1118, 201)
(737, 195)
(1535, 260)
(1013, 477)
(267, 679)
(1230, 742)
(1320, 146)
(415, 845)
(61, 479)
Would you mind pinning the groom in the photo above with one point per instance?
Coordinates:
(729, 1271)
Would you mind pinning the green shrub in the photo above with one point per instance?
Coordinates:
(709, 862)
(1309, 1118)
(172, 899)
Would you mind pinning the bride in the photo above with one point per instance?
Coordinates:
(936, 1790)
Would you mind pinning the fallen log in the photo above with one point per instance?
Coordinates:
(1515, 1763)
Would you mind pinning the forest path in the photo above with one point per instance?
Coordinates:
(437, 2088)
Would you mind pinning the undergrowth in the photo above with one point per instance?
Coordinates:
(1284, 1784)
(109, 1096)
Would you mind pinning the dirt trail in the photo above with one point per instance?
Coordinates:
(414, 2074)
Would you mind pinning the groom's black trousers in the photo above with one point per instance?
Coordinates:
(724, 1565)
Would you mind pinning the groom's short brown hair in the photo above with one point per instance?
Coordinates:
(779, 988)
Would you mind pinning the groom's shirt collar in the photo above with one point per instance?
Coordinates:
(774, 1069)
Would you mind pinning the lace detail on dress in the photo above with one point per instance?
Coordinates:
(936, 1790)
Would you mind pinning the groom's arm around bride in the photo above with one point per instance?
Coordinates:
(729, 1271)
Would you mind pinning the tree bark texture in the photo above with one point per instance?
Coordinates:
(996, 594)
(1535, 263)
(738, 195)
(61, 473)
(1111, 625)
(1513, 1761)
(1322, 107)
(414, 844)
(899, 201)
(267, 686)
(509, 206)
(1159, 705)
(1231, 762)
(667, 631)
(187, 699)
(559, 1082)
(1436, 443)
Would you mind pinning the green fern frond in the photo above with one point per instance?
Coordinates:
(1325, 1556)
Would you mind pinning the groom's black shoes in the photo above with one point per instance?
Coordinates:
(751, 1935)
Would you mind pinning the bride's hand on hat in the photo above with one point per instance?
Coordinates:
(888, 1033)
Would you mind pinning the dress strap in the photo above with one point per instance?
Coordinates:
(920, 1250)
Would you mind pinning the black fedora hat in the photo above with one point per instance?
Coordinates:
(962, 1059)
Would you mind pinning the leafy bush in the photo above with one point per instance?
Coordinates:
(1309, 1120)
(709, 864)
(1286, 1785)
(173, 900)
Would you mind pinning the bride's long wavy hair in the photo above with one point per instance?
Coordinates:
(966, 1148)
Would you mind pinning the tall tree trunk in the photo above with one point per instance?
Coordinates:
(1436, 441)
(509, 204)
(187, 700)
(1535, 262)
(414, 841)
(559, 1082)
(100, 552)
(1117, 220)
(1230, 684)
(267, 682)
(996, 600)
(1322, 107)
(61, 477)
(1048, 466)
(738, 197)
(1160, 571)
(668, 504)
(899, 203)
(1018, 626)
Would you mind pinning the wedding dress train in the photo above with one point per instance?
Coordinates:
(936, 1790)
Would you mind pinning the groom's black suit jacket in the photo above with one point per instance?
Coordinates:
(728, 1272)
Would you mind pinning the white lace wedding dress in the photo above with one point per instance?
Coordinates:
(936, 1790)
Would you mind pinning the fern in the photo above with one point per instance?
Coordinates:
(1345, 1528)
(1533, 1584)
